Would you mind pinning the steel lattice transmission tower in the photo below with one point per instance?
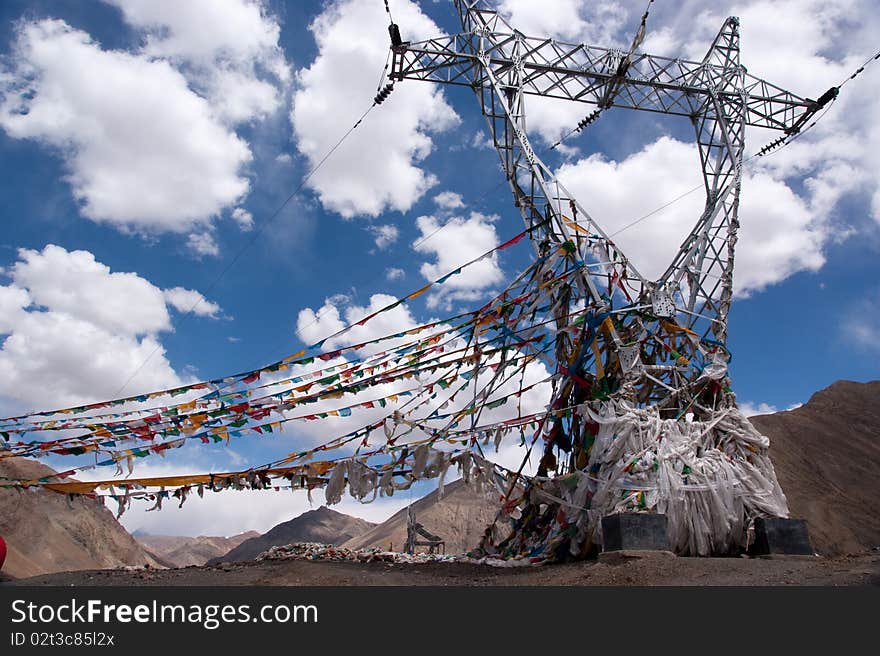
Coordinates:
(649, 352)
(502, 66)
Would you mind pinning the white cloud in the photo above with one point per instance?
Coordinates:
(384, 235)
(142, 150)
(377, 166)
(597, 22)
(314, 326)
(202, 243)
(661, 41)
(75, 331)
(808, 46)
(750, 409)
(189, 300)
(448, 200)
(74, 283)
(553, 118)
(780, 233)
(229, 48)
(482, 140)
(459, 241)
(393, 273)
(802, 45)
(244, 219)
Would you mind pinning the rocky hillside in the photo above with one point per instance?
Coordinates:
(459, 518)
(46, 533)
(321, 525)
(182, 551)
(827, 458)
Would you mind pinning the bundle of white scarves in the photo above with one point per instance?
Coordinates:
(710, 478)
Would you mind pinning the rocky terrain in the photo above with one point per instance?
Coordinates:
(459, 517)
(863, 569)
(322, 525)
(47, 532)
(827, 458)
(182, 551)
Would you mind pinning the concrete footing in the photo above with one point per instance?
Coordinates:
(635, 532)
(778, 536)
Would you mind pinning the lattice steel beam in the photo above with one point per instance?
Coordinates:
(502, 66)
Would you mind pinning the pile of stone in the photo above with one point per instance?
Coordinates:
(328, 552)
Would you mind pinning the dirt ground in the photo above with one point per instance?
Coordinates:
(861, 569)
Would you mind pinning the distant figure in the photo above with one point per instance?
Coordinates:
(2, 551)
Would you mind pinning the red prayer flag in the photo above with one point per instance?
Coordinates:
(511, 242)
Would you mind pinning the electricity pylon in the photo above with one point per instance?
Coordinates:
(721, 98)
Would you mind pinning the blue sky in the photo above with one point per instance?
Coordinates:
(155, 142)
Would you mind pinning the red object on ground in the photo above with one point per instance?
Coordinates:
(2, 552)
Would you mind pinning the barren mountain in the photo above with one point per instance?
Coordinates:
(459, 518)
(182, 551)
(827, 458)
(321, 525)
(45, 532)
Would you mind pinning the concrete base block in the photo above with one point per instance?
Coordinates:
(635, 532)
(777, 536)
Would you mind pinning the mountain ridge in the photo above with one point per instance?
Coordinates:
(320, 525)
(184, 551)
(46, 532)
(827, 454)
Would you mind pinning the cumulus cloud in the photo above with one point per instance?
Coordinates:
(448, 200)
(189, 300)
(243, 218)
(202, 244)
(74, 283)
(229, 47)
(384, 235)
(780, 233)
(337, 312)
(377, 167)
(393, 273)
(148, 137)
(459, 241)
(74, 331)
(142, 151)
(750, 409)
(808, 46)
(597, 22)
